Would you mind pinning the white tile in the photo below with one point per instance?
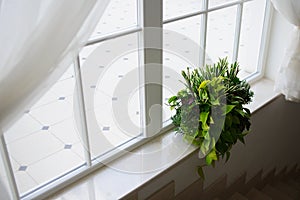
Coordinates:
(105, 116)
(136, 119)
(53, 112)
(24, 181)
(114, 18)
(54, 165)
(93, 98)
(126, 127)
(104, 141)
(94, 126)
(70, 100)
(100, 99)
(99, 144)
(34, 147)
(48, 97)
(66, 131)
(68, 74)
(14, 164)
(65, 87)
(79, 148)
(107, 83)
(21, 128)
(116, 136)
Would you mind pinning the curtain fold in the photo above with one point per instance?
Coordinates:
(288, 78)
(39, 39)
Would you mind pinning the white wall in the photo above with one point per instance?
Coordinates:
(273, 143)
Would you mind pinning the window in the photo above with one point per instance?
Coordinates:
(113, 97)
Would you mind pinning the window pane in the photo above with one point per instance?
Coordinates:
(45, 135)
(181, 50)
(118, 15)
(111, 90)
(220, 34)
(175, 8)
(251, 32)
(214, 3)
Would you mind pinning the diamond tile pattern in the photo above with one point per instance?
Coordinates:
(45, 127)
(68, 146)
(22, 168)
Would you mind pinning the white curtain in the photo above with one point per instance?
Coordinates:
(38, 41)
(288, 79)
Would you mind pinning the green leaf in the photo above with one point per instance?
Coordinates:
(205, 133)
(207, 139)
(213, 142)
(173, 98)
(211, 157)
(247, 111)
(227, 156)
(229, 108)
(241, 112)
(235, 119)
(203, 116)
(241, 138)
(227, 137)
(209, 87)
(204, 147)
(215, 102)
(203, 84)
(203, 119)
(228, 120)
(188, 138)
(200, 172)
(211, 120)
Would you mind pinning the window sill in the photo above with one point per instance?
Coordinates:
(126, 174)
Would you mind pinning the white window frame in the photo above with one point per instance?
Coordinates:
(150, 14)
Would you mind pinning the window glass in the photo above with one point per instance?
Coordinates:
(50, 131)
(119, 15)
(214, 3)
(250, 39)
(45, 135)
(181, 50)
(110, 73)
(175, 8)
(220, 34)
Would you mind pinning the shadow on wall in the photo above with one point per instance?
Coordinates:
(272, 144)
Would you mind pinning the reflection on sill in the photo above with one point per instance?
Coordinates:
(263, 94)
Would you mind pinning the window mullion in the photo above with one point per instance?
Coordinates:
(152, 65)
(82, 112)
(238, 26)
(8, 168)
(203, 32)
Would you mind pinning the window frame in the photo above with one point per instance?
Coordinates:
(147, 17)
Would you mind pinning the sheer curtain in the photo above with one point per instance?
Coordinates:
(38, 41)
(288, 80)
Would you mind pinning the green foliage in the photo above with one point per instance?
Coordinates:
(210, 111)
